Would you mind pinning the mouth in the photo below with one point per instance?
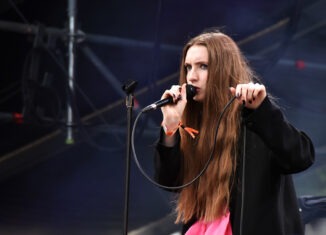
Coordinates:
(196, 90)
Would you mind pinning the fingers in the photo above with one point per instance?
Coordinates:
(174, 92)
(183, 92)
(250, 94)
(259, 88)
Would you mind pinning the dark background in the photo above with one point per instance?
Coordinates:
(50, 187)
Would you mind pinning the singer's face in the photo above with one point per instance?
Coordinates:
(196, 64)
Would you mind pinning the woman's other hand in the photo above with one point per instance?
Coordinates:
(250, 94)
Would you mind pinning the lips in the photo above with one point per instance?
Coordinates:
(197, 89)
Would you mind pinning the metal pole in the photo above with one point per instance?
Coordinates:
(72, 12)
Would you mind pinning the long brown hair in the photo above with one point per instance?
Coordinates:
(208, 198)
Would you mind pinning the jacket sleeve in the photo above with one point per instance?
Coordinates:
(167, 163)
(293, 149)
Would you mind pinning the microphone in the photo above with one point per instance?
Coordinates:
(190, 90)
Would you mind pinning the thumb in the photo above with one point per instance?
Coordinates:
(232, 90)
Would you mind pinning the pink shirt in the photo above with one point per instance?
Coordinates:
(219, 226)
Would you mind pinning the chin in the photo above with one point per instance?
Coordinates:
(198, 99)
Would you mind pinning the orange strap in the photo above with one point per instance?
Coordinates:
(189, 130)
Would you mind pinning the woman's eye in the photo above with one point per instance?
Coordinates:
(188, 68)
(204, 66)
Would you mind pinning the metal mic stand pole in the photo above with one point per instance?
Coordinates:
(129, 89)
(71, 69)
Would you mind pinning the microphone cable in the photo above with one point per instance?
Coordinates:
(199, 174)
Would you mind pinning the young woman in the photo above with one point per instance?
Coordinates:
(247, 188)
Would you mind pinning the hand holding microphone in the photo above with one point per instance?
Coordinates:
(173, 103)
(172, 113)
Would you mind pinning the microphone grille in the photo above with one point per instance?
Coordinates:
(191, 91)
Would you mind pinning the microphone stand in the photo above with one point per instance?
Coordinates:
(129, 89)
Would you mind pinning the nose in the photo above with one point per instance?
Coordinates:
(192, 76)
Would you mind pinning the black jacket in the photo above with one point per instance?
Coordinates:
(273, 149)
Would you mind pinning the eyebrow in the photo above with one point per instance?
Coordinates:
(197, 62)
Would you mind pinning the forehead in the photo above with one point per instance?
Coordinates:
(196, 53)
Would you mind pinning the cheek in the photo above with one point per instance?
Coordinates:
(204, 79)
(204, 84)
(204, 74)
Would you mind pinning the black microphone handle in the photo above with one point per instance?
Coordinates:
(160, 103)
(190, 90)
